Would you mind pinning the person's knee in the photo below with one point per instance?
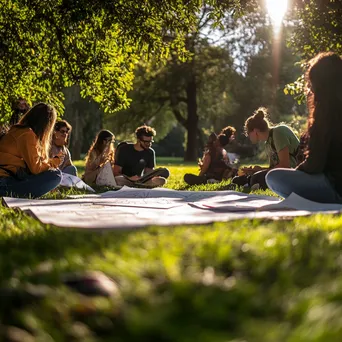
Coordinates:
(164, 172)
(55, 176)
(71, 170)
(259, 178)
(192, 179)
(274, 178)
(240, 180)
(188, 178)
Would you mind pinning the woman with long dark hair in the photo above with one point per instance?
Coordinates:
(319, 176)
(100, 155)
(25, 167)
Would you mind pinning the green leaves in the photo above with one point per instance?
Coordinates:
(48, 45)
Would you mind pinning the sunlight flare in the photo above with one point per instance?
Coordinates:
(276, 10)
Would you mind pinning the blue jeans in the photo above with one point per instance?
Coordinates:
(314, 187)
(70, 170)
(32, 186)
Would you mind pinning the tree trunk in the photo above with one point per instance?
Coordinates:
(76, 147)
(191, 153)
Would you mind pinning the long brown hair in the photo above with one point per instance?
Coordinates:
(324, 82)
(98, 146)
(41, 119)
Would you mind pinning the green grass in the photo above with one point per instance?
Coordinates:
(267, 281)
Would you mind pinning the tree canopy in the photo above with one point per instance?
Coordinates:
(318, 27)
(48, 45)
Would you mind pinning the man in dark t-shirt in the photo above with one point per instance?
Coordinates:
(135, 163)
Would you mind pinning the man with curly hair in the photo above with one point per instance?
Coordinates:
(135, 163)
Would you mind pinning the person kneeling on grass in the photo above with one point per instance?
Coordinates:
(281, 146)
(100, 160)
(25, 167)
(135, 163)
(60, 140)
(319, 177)
(215, 162)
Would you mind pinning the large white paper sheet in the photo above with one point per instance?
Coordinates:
(134, 208)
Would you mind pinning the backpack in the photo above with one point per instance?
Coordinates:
(299, 153)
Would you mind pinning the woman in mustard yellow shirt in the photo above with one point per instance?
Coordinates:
(25, 167)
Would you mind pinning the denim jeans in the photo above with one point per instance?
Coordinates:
(314, 187)
(32, 186)
(71, 170)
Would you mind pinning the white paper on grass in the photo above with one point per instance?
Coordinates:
(133, 208)
(71, 181)
(236, 203)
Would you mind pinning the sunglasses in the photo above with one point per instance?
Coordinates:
(64, 131)
(147, 141)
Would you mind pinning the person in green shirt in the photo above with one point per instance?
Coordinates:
(281, 145)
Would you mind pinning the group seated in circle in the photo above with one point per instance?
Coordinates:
(34, 153)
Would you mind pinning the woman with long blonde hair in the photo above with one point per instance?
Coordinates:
(25, 167)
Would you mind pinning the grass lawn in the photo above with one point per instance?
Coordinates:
(240, 281)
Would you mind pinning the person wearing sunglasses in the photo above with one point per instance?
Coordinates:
(60, 141)
(135, 163)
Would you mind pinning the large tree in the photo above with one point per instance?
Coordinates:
(224, 82)
(191, 91)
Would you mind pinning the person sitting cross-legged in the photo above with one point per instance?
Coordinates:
(134, 163)
(215, 162)
(25, 167)
(60, 139)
